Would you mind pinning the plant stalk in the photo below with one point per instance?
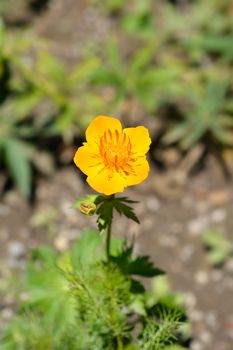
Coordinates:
(119, 343)
(108, 240)
(109, 229)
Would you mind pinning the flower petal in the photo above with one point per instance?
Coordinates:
(99, 125)
(86, 160)
(101, 182)
(140, 138)
(141, 170)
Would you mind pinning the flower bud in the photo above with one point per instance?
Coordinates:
(88, 208)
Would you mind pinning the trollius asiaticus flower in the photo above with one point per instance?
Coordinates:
(113, 158)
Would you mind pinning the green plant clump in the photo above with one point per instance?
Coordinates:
(80, 300)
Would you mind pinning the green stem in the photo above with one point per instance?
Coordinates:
(108, 240)
(119, 343)
(109, 229)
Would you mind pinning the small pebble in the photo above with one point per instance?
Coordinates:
(24, 296)
(169, 241)
(66, 208)
(205, 337)
(211, 319)
(196, 345)
(218, 215)
(187, 252)
(196, 315)
(16, 250)
(7, 313)
(153, 204)
(198, 225)
(190, 299)
(201, 277)
(61, 243)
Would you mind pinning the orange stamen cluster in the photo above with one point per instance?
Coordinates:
(116, 152)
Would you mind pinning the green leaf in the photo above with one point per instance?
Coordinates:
(24, 104)
(175, 347)
(87, 249)
(215, 95)
(161, 287)
(83, 71)
(175, 133)
(49, 292)
(19, 165)
(190, 138)
(142, 58)
(136, 287)
(124, 209)
(104, 212)
(106, 76)
(217, 43)
(223, 136)
(44, 254)
(126, 200)
(131, 347)
(50, 66)
(140, 266)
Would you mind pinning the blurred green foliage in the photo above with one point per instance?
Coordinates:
(38, 100)
(77, 301)
(137, 78)
(219, 248)
(209, 118)
(157, 55)
(184, 60)
(15, 132)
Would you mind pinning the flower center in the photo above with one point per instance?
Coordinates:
(116, 152)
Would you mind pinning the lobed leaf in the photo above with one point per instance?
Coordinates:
(124, 209)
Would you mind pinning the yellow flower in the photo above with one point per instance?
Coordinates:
(113, 158)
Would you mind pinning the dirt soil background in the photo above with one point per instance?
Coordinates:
(174, 210)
